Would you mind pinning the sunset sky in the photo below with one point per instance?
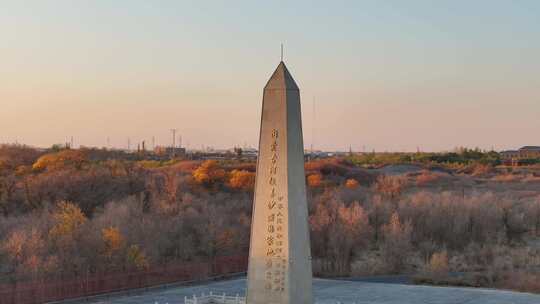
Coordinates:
(385, 75)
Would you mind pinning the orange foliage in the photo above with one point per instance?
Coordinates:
(208, 172)
(242, 179)
(351, 183)
(59, 160)
(314, 180)
(113, 240)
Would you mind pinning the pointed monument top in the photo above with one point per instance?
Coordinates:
(281, 79)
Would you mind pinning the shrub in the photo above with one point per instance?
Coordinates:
(60, 160)
(438, 264)
(314, 180)
(426, 177)
(242, 179)
(351, 183)
(390, 186)
(209, 172)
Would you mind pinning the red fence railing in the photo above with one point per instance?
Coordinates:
(36, 292)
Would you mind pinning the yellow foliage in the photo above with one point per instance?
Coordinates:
(137, 258)
(208, 172)
(149, 164)
(242, 179)
(113, 240)
(67, 219)
(352, 183)
(438, 263)
(58, 160)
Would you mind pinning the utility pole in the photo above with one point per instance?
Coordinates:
(153, 143)
(173, 142)
(129, 144)
(313, 127)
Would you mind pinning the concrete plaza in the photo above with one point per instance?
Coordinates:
(346, 292)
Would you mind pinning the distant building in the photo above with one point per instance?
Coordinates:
(250, 153)
(169, 151)
(514, 157)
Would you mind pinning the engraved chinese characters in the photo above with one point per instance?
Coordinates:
(276, 258)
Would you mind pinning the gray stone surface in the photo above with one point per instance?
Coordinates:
(347, 292)
(279, 261)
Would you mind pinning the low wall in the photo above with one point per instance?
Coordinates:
(43, 291)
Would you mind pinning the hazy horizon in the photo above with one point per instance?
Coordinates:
(393, 76)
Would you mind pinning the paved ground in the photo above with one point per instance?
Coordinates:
(347, 292)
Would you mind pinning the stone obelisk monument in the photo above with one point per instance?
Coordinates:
(280, 256)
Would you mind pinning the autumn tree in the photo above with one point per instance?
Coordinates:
(242, 179)
(209, 172)
(8, 184)
(351, 183)
(65, 233)
(62, 159)
(172, 185)
(113, 240)
(438, 264)
(136, 258)
(14, 156)
(397, 243)
(390, 186)
(379, 211)
(338, 231)
(68, 218)
(25, 250)
(314, 180)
